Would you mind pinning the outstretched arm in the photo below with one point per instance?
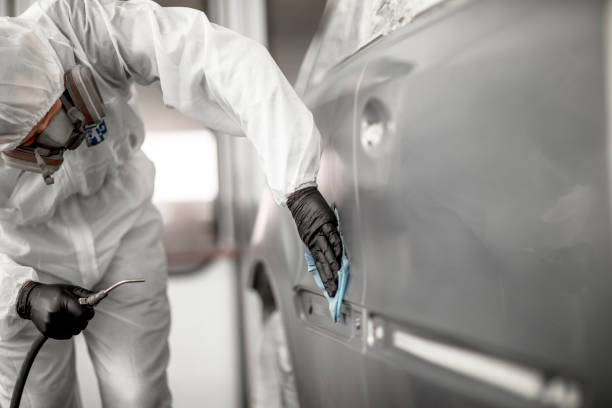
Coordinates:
(229, 83)
(214, 75)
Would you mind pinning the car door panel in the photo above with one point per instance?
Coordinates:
(484, 210)
(333, 107)
(328, 354)
(467, 154)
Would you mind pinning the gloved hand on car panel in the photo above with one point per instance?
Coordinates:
(317, 226)
(54, 309)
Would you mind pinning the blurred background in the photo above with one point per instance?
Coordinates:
(195, 192)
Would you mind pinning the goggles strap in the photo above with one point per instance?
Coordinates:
(44, 168)
(72, 111)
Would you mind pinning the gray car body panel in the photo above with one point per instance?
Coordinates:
(468, 156)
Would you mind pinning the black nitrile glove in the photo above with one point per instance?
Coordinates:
(317, 226)
(54, 309)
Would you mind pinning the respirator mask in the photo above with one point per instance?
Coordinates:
(80, 118)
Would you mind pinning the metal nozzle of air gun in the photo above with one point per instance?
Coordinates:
(94, 299)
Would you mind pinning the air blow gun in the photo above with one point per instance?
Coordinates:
(91, 300)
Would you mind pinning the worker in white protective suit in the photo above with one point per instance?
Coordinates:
(80, 214)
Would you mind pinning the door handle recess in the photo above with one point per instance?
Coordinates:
(376, 127)
(313, 309)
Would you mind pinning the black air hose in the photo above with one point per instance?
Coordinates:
(25, 370)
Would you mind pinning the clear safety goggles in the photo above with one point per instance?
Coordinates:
(81, 118)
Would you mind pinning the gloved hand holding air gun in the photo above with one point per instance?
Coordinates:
(59, 312)
(55, 309)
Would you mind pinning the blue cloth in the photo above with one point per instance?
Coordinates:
(335, 303)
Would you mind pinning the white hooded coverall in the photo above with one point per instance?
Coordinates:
(96, 224)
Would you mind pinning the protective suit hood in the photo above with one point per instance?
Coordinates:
(31, 79)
